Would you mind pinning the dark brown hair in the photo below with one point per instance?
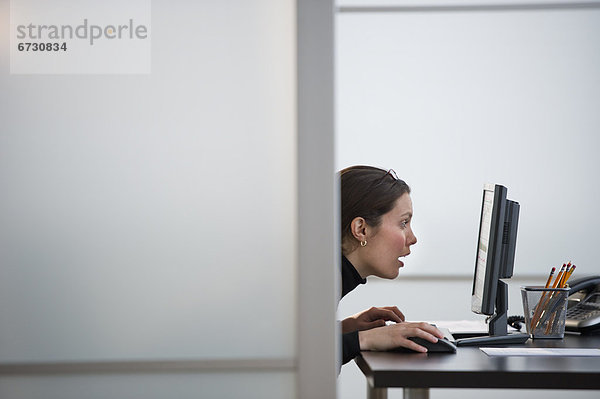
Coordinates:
(368, 192)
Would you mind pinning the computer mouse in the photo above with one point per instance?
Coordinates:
(442, 346)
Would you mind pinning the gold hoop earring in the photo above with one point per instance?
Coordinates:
(363, 243)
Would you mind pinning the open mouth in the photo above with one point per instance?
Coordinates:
(402, 256)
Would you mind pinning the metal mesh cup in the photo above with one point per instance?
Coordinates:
(545, 311)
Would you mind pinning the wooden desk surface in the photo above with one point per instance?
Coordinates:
(471, 368)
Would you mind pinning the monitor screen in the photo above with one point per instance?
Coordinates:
(489, 249)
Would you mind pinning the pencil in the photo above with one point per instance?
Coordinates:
(547, 298)
(550, 277)
(559, 277)
(561, 284)
(568, 276)
(539, 307)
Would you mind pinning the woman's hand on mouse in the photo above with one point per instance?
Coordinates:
(396, 335)
(372, 318)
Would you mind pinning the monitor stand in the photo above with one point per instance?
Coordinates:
(498, 330)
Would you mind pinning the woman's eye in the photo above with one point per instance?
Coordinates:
(403, 224)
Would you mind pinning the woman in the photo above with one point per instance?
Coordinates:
(376, 232)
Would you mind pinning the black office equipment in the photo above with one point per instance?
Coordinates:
(494, 261)
(442, 345)
(583, 306)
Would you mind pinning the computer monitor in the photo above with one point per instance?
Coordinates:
(494, 261)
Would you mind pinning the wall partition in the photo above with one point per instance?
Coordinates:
(149, 222)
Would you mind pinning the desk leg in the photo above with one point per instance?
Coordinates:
(415, 393)
(376, 393)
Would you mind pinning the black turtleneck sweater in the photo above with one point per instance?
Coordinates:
(350, 280)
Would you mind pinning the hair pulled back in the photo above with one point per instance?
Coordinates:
(367, 192)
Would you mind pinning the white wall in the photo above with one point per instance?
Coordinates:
(153, 217)
(453, 99)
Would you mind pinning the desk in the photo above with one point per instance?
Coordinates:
(471, 368)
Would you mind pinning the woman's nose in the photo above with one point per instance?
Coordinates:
(412, 238)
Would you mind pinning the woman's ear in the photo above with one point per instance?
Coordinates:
(358, 227)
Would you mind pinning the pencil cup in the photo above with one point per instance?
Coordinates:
(545, 311)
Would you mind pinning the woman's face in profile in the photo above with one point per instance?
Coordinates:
(391, 240)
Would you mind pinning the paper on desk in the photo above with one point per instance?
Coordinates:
(541, 351)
